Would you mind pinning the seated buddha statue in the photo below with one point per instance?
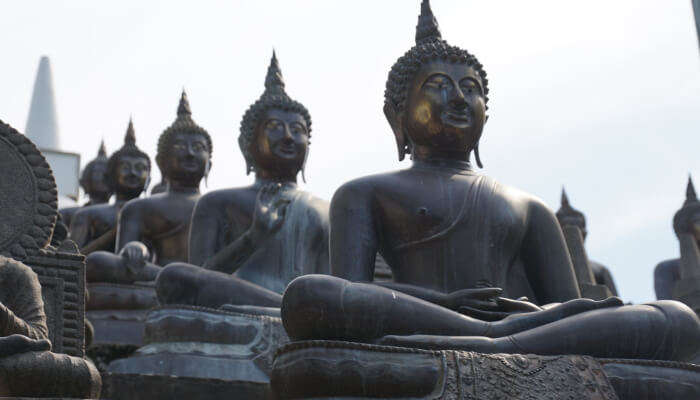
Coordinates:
(127, 174)
(569, 215)
(454, 240)
(93, 180)
(669, 274)
(153, 231)
(253, 240)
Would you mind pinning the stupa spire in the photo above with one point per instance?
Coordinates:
(42, 123)
(427, 28)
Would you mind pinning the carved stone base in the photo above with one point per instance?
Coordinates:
(688, 291)
(659, 380)
(201, 346)
(46, 374)
(327, 369)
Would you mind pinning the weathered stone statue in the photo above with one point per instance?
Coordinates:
(27, 216)
(453, 236)
(679, 279)
(93, 180)
(153, 231)
(252, 241)
(567, 215)
(128, 171)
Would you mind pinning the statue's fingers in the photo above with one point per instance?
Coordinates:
(483, 315)
(516, 305)
(479, 293)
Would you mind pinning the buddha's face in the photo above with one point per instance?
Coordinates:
(99, 188)
(445, 107)
(281, 142)
(188, 158)
(132, 174)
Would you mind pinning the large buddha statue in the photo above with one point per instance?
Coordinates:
(455, 241)
(567, 215)
(253, 240)
(127, 174)
(153, 231)
(685, 270)
(93, 180)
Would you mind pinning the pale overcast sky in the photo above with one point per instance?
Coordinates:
(601, 96)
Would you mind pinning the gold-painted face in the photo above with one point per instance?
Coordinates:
(281, 141)
(445, 107)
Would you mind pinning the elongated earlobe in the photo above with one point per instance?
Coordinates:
(476, 155)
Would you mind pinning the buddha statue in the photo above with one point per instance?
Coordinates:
(455, 239)
(253, 240)
(669, 274)
(153, 231)
(93, 180)
(567, 215)
(128, 171)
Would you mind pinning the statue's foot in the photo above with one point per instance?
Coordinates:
(16, 344)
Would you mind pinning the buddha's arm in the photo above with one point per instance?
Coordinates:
(80, 229)
(353, 239)
(205, 231)
(234, 255)
(546, 258)
(690, 256)
(129, 226)
(28, 317)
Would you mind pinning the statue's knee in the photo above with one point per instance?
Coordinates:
(309, 303)
(174, 280)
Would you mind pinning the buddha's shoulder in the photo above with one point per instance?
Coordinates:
(223, 197)
(12, 270)
(93, 211)
(370, 185)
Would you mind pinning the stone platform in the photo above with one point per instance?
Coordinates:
(344, 370)
(210, 350)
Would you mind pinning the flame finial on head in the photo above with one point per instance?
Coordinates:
(130, 137)
(427, 28)
(274, 82)
(690, 195)
(564, 199)
(183, 109)
(102, 152)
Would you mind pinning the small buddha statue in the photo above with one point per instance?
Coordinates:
(567, 215)
(93, 180)
(128, 171)
(153, 231)
(454, 239)
(670, 273)
(253, 240)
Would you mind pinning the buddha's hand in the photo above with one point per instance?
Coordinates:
(270, 209)
(487, 305)
(135, 254)
(16, 344)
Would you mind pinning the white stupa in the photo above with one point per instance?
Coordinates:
(42, 129)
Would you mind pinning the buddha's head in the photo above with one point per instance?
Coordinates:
(687, 219)
(436, 95)
(275, 131)
(568, 215)
(93, 179)
(129, 168)
(184, 149)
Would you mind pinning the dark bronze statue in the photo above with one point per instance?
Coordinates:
(567, 215)
(453, 236)
(94, 228)
(252, 241)
(684, 271)
(153, 231)
(93, 180)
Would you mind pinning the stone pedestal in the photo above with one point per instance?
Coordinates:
(344, 370)
(207, 348)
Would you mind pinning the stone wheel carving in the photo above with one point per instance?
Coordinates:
(28, 196)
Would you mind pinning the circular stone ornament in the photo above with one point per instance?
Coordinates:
(28, 196)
